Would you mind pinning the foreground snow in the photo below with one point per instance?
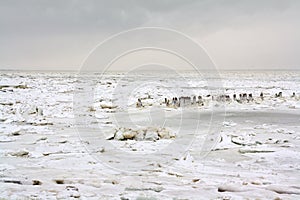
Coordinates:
(48, 152)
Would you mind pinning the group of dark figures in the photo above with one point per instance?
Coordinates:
(184, 101)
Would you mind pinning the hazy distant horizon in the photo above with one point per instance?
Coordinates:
(125, 70)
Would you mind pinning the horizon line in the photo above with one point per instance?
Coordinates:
(120, 70)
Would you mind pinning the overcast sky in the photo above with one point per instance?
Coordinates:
(237, 34)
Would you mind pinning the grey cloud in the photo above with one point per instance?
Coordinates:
(40, 17)
(38, 32)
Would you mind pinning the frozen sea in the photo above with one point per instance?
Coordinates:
(68, 135)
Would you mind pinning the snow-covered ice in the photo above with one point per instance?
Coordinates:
(64, 135)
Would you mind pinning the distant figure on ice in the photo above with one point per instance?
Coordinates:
(294, 95)
(39, 111)
(173, 101)
(200, 101)
(176, 100)
(194, 100)
(168, 103)
(227, 98)
(240, 95)
(261, 96)
(139, 103)
(244, 96)
(250, 97)
(279, 94)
